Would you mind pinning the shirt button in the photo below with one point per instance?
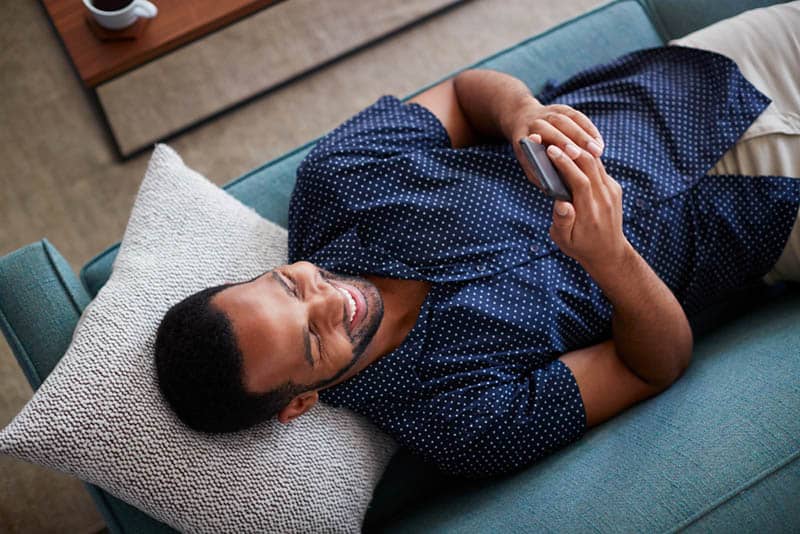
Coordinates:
(534, 248)
(480, 267)
(641, 203)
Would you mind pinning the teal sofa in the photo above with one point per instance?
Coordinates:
(718, 451)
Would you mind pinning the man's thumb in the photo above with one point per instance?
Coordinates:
(563, 218)
(563, 212)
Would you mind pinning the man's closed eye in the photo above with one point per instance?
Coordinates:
(312, 331)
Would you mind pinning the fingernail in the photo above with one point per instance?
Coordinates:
(561, 209)
(536, 138)
(600, 142)
(554, 151)
(572, 151)
(594, 148)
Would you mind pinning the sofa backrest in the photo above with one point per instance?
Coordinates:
(676, 18)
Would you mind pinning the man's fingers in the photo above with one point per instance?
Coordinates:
(577, 181)
(550, 134)
(607, 180)
(573, 132)
(563, 221)
(558, 129)
(591, 167)
(584, 122)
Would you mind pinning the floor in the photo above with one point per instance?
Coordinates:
(60, 178)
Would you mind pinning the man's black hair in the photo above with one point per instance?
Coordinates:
(199, 367)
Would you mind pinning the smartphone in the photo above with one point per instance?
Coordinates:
(554, 186)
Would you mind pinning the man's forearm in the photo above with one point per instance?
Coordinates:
(651, 332)
(489, 99)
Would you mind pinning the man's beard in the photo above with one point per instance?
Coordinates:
(369, 324)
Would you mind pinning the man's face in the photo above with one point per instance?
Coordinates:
(301, 323)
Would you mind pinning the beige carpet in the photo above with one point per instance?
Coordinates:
(60, 179)
(245, 59)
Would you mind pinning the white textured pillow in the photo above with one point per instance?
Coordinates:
(100, 415)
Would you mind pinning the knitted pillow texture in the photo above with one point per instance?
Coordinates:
(100, 416)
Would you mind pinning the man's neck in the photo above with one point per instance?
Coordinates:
(402, 301)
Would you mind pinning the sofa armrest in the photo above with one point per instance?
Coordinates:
(41, 301)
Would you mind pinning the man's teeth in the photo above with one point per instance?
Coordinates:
(352, 302)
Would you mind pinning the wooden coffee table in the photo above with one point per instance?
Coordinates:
(178, 22)
(214, 41)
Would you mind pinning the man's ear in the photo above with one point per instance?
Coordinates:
(298, 406)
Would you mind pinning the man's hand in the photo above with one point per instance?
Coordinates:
(554, 124)
(588, 229)
(652, 335)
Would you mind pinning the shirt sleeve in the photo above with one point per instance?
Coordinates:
(494, 428)
(383, 130)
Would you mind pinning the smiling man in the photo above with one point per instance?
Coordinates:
(436, 290)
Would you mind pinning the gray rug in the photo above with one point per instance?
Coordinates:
(246, 59)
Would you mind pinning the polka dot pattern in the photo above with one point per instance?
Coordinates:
(476, 387)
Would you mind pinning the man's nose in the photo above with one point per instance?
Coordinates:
(323, 299)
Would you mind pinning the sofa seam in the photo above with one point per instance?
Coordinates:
(44, 242)
(766, 473)
(29, 369)
(658, 23)
(92, 261)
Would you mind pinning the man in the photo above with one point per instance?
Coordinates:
(438, 292)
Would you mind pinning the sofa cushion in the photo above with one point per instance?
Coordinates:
(101, 417)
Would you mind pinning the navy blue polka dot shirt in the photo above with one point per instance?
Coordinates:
(476, 388)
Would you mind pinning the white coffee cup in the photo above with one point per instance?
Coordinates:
(122, 18)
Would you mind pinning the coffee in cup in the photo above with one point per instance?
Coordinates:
(119, 14)
(111, 5)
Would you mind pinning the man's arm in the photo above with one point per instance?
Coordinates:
(651, 331)
(652, 342)
(441, 100)
(490, 99)
(480, 106)
(650, 349)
